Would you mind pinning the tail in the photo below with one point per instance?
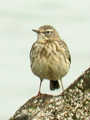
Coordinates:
(54, 84)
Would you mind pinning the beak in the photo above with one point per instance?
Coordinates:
(37, 31)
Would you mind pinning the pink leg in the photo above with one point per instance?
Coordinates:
(39, 93)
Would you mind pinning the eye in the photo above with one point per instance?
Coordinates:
(48, 32)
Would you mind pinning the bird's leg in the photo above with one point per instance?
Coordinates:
(61, 84)
(39, 93)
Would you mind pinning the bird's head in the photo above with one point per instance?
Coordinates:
(47, 32)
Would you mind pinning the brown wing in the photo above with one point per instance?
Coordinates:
(32, 53)
(67, 53)
(35, 50)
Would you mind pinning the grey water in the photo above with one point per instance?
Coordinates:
(17, 19)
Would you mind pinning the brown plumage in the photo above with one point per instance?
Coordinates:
(50, 57)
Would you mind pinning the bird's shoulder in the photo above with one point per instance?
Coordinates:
(32, 50)
(64, 46)
(35, 49)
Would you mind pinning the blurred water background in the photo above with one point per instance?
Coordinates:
(71, 18)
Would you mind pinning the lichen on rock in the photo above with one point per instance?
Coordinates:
(72, 104)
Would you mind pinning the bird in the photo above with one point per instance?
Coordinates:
(49, 57)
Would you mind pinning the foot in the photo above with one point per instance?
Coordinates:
(39, 93)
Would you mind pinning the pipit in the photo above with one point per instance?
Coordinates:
(50, 57)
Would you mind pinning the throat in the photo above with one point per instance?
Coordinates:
(45, 41)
